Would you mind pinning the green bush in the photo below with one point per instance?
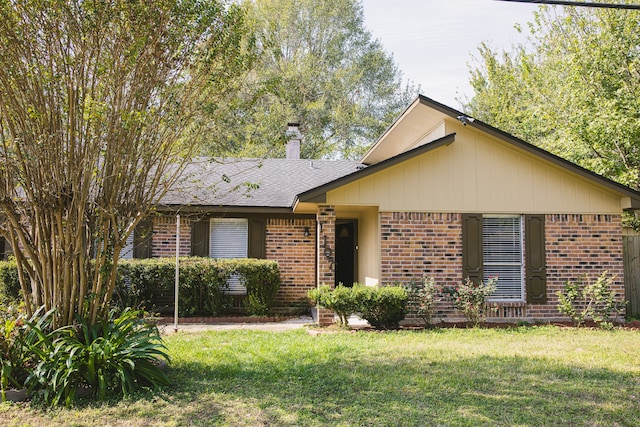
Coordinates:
(113, 357)
(260, 277)
(9, 284)
(384, 306)
(343, 300)
(423, 297)
(150, 283)
(15, 356)
(595, 300)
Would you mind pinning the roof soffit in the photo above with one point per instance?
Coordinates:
(413, 125)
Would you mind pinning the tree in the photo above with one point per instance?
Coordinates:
(574, 89)
(99, 114)
(319, 66)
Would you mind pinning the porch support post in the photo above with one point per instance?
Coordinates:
(326, 218)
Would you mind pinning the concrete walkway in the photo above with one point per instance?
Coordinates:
(285, 325)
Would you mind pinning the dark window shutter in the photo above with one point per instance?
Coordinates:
(3, 245)
(472, 247)
(257, 238)
(142, 239)
(535, 262)
(200, 238)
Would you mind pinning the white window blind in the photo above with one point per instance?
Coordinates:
(229, 239)
(127, 251)
(503, 256)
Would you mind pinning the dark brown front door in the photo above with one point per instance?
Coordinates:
(346, 247)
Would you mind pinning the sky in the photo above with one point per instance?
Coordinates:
(432, 41)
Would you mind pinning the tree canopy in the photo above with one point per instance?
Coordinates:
(100, 107)
(573, 89)
(316, 64)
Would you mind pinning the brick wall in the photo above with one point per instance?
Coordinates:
(326, 247)
(163, 243)
(414, 245)
(296, 257)
(577, 245)
(326, 253)
(419, 244)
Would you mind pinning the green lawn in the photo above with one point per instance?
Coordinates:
(544, 376)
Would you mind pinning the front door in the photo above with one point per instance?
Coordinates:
(346, 251)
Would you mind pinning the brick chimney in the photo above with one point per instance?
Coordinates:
(293, 144)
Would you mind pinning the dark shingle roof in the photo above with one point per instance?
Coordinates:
(270, 183)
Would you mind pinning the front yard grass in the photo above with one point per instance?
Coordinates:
(530, 376)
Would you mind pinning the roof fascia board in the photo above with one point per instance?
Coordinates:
(319, 194)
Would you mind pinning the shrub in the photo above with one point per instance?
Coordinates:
(9, 284)
(384, 307)
(260, 277)
(203, 289)
(595, 300)
(343, 300)
(112, 357)
(471, 299)
(15, 357)
(423, 297)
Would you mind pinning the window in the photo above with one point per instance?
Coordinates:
(253, 230)
(139, 242)
(510, 247)
(229, 239)
(127, 251)
(502, 256)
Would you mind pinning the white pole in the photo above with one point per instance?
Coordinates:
(175, 302)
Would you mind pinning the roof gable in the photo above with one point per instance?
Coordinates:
(394, 146)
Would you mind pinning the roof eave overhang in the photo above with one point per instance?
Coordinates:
(200, 209)
(630, 203)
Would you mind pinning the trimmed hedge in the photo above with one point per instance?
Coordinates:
(382, 306)
(149, 284)
(203, 290)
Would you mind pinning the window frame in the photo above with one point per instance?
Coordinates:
(235, 286)
(488, 266)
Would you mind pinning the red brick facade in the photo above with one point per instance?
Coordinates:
(295, 253)
(417, 244)
(163, 243)
(286, 243)
(577, 245)
(326, 254)
(414, 245)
